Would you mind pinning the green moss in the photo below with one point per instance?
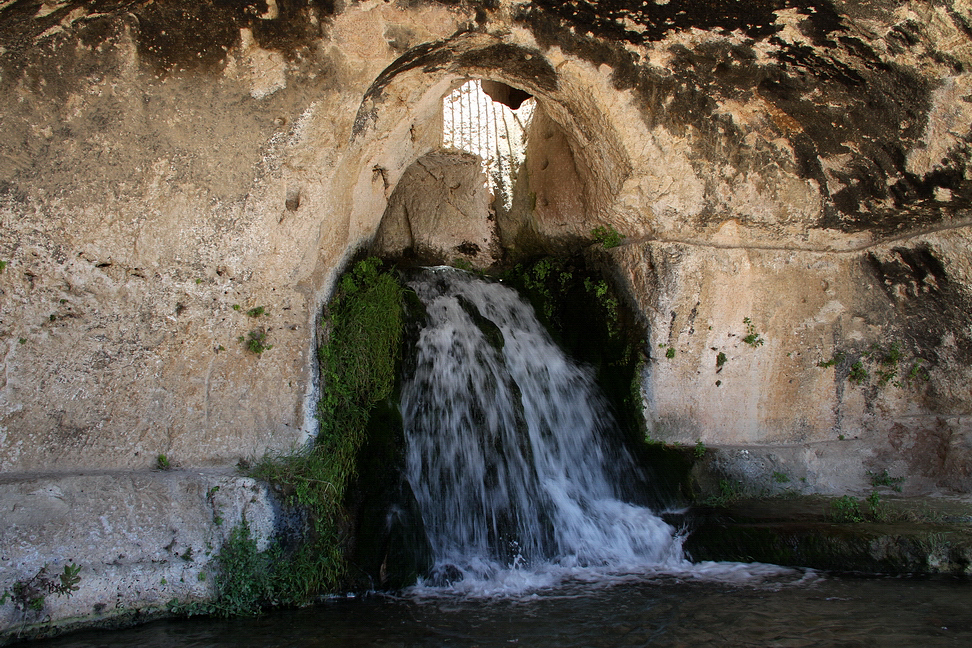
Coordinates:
(362, 328)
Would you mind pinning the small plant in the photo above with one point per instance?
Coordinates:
(885, 479)
(608, 303)
(462, 264)
(917, 373)
(780, 478)
(162, 462)
(607, 236)
(22, 340)
(237, 307)
(256, 341)
(846, 509)
(889, 365)
(836, 359)
(3, 266)
(877, 510)
(858, 374)
(728, 492)
(198, 281)
(256, 311)
(752, 338)
(700, 449)
(720, 360)
(30, 593)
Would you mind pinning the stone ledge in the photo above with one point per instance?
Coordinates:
(927, 535)
(140, 538)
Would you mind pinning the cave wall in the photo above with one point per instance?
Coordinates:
(167, 167)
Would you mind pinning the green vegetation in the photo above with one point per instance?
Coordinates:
(700, 449)
(835, 360)
(846, 509)
(363, 327)
(607, 236)
(752, 338)
(669, 350)
(851, 509)
(780, 478)
(237, 307)
(858, 374)
(884, 479)
(720, 360)
(889, 365)
(162, 462)
(462, 264)
(608, 303)
(3, 266)
(256, 311)
(546, 282)
(729, 491)
(886, 364)
(878, 511)
(31, 593)
(917, 373)
(256, 341)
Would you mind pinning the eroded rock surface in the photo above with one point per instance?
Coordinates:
(169, 169)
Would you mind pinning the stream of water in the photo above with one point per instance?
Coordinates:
(509, 452)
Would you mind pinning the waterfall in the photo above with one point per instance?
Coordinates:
(506, 449)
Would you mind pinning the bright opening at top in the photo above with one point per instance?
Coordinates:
(475, 123)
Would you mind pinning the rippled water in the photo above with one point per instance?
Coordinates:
(793, 609)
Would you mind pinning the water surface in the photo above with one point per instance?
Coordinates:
(795, 609)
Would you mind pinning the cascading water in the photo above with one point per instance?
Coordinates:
(505, 449)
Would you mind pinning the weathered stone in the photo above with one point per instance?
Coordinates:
(140, 539)
(440, 211)
(164, 168)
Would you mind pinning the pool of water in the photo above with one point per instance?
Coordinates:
(785, 608)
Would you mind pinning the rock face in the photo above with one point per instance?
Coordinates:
(441, 210)
(167, 169)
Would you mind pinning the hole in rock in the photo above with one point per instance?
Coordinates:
(489, 119)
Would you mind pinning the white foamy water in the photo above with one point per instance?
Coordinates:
(505, 452)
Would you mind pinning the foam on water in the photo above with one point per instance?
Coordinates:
(507, 457)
